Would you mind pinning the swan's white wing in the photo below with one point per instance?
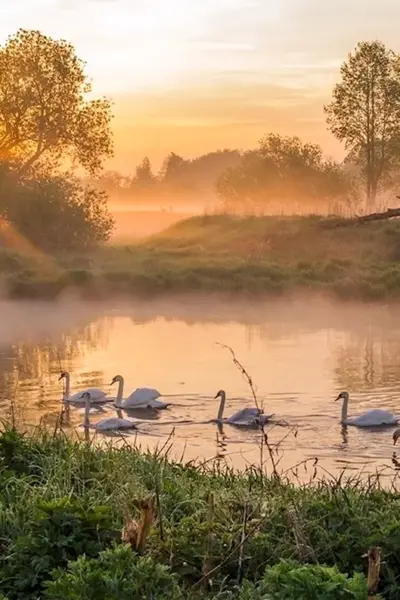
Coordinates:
(114, 424)
(374, 418)
(96, 395)
(141, 397)
(245, 416)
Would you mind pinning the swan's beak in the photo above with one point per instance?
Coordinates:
(113, 381)
(217, 396)
(61, 377)
(338, 398)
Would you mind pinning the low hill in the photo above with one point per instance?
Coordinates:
(225, 254)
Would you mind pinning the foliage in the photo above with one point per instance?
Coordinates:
(44, 116)
(198, 173)
(117, 574)
(56, 213)
(144, 175)
(172, 168)
(290, 580)
(177, 176)
(47, 122)
(365, 111)
(284, 169)
(61, 499)
(56, 532)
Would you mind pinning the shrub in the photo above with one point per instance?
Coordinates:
(60, 532)
(117, 574)
(289, 580)
(56, 213)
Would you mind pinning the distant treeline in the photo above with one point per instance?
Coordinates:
(364, 114)
(280, 171)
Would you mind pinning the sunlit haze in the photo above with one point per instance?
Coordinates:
(191, 77)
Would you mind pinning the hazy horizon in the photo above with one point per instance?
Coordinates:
(218, 74)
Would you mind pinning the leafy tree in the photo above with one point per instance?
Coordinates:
(365, 111)
(46, 122)
(144, 174)
(284, 169)
(45, 117)
(172, 167)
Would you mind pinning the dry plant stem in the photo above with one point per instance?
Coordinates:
(248, 378)
(147, 515)
(235, 549)
(242, 369)
(159, 507)
(130, 531)
(12, 407)
(241, 551)
(304, 549)
(374, 567)
(159, 451)
(206, 568)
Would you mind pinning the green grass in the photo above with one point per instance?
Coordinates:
(225, 253)
(63, 503)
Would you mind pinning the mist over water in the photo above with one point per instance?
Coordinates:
(300, 352)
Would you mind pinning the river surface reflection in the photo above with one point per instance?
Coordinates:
(300, 353)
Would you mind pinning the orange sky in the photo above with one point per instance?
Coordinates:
(191, 76)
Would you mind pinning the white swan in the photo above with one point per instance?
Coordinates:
(112, 424)
(372, 418)
(97, 396)
(246, 416)
(140, 398)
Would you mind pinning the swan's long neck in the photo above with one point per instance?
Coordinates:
(344, 409)
(67, 386)
(120, 392)
(221, 407)
(86, 421)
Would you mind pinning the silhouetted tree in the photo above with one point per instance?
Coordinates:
(144, 175)
(44, 115)
(283, 168)
(365, 111)
(47, 122)
(172, 168)
(199, 174)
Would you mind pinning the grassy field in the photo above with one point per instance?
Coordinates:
(225, 253)
(213, 533)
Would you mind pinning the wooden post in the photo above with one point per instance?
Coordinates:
(374, 567)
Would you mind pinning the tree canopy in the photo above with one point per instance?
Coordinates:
(45, 116)
(284, 169)
(365, 112)
(48, 127)
(143, 174)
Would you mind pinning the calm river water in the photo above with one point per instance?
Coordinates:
(300, 353)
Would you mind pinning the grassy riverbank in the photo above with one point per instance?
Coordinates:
(63, 505)
(224, 253)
